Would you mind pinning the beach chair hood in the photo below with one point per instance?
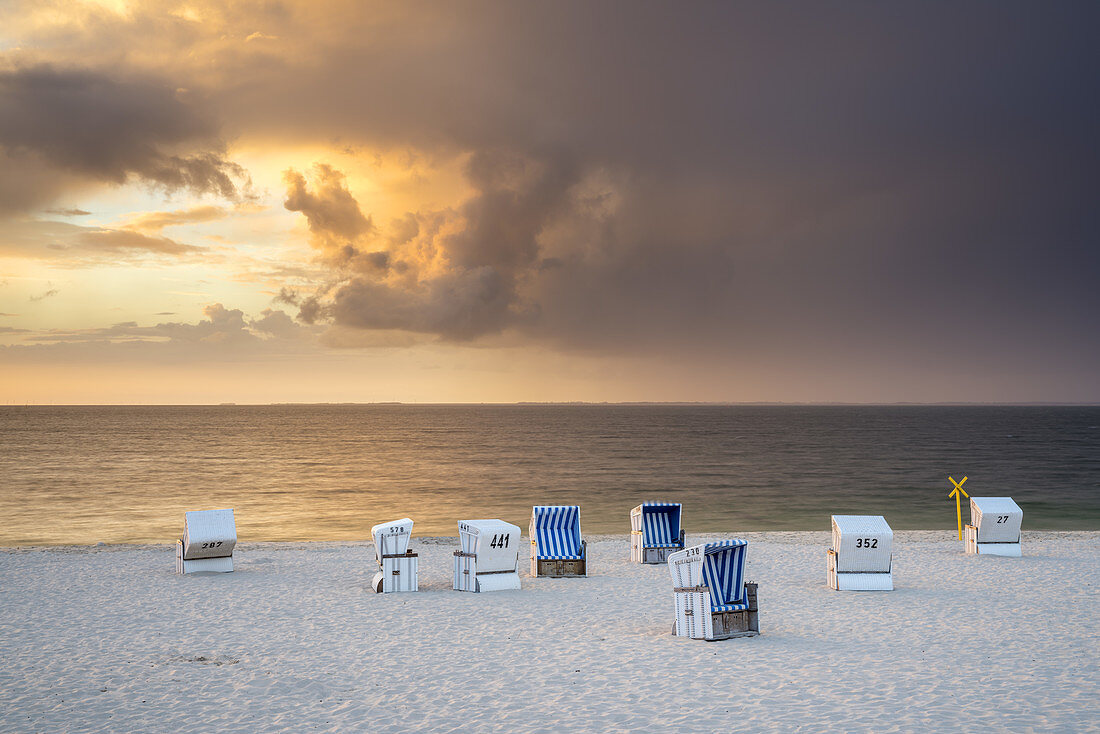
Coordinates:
(208, 534)
(658, 522)
(998, 519)
(719, 566)
(863, 543)
(392, 538)
(494, 542)
(556, 532)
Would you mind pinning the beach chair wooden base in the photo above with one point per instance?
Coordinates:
(466, 577)
(722, 625)
(974, 548)
(649, 555)
(560, 569)
(856, 580)
(201, 565)
(657, 556)
(398, 573)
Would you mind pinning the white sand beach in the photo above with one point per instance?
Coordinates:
(109, 639)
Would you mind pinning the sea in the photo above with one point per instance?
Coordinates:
(126, 474)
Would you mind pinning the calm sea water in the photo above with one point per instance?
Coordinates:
(126, 474)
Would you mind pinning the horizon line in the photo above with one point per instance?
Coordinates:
(714, 403)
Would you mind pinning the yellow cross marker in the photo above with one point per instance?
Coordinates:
(958, 507)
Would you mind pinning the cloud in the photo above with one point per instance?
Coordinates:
(77, 245)
(156, 221)
(277, 324)
(461, 305)
(222, 326)
(109, 127)
(73, 212)
(455, 274)
(122, 240)
(333, 214)
(43, 296)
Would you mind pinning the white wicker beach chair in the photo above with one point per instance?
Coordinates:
(861, 557)
(994, 528)
(207, 543)
(557, 549)
(655, 531)
(489, 558)
(713, 601)
(396, 563)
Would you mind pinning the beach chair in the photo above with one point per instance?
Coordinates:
(396, 563)
(207, 543)
(713, 600)
(655, 531)
(489, 558)
(994, 528)
(557, 549)
(861, 557)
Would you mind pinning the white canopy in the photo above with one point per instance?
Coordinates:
(208, 534)
(863, 543)
(392, 538)
(998, 519)
(494, 542)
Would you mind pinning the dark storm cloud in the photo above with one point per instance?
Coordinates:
(110, 128)
(462, 305)
(781, 174)
(785, 180)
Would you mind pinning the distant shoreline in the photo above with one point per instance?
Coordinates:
(718, 404)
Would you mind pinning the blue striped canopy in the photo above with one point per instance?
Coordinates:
(557, 532)
(661, 525)
(724, 573)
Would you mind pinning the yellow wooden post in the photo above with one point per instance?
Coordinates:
(958, 503)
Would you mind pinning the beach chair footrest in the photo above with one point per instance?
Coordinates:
(698, 621)
(745, 623)
(399, 572)
(658, 555)
(222, 564)
(561, 569)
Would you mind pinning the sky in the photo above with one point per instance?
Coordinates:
(318, 201)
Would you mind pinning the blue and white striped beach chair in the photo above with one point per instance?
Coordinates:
(655, 531)
(557, 549)
(713, 600)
